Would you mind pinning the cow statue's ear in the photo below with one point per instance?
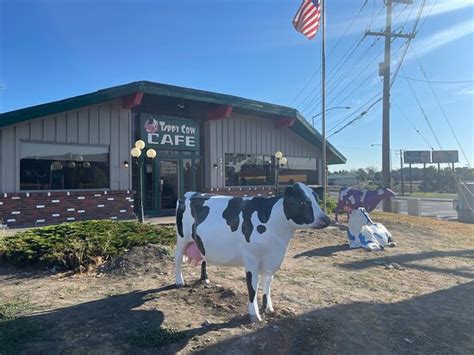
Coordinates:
(289, 190)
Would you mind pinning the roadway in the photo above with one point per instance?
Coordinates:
(430, 207)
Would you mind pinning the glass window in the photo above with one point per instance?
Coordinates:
(249, 170)
(46, 166)
(187, 175)
(299, 170)
(199, 173)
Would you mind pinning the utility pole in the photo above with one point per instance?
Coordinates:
(384, 71)
(401, 172)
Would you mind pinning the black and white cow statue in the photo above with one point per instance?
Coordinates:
(252, 232)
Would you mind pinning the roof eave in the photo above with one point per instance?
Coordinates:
(301, 127)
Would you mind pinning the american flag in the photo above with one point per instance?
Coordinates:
(307, 18)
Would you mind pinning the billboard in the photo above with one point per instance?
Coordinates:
(445, 156)
(417, 156)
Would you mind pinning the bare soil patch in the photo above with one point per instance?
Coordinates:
(414, 298)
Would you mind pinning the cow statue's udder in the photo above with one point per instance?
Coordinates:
(193, 254)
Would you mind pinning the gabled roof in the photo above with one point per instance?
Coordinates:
(301, 125)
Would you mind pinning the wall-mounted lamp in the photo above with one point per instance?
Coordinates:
(125, 164)
(215, 166)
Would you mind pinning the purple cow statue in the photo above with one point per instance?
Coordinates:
(351, 198)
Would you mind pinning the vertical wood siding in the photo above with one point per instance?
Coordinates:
(1, 160)
(242, 134)
(105, 124)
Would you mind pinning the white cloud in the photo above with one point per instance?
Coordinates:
(441, 38)
(466, 92)
(440, 8)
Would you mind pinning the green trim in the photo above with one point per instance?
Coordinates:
(301, 126)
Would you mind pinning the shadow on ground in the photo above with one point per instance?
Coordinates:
(102, 326)
(324, 251)
(409, 261)
(436, 323)
(10, 272)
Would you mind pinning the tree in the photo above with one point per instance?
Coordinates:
(361, 175)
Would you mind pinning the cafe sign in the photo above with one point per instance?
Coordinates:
(163, 132)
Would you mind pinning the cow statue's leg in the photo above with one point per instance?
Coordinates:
(267, 299)
(204, 276)
(251, 275)
(179, 263)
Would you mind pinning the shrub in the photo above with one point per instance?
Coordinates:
(331, 204)
(80, 244)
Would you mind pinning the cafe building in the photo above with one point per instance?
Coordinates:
(72, 160)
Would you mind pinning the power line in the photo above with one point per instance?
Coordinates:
(338, 66)
(337, 82)
(362, 114)
(428, 15)
(412, 125)
(437, 81)
(331, 51)
(352, 50)
(360, 84)
(349, 52)
(408, 42)
(348, 27)
(429, 83)
(347, 118)
(373, 10)
(423, 113)
(441, 108)
(392, 81)
(400, 61)
(367, 78)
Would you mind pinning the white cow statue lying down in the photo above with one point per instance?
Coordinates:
(252, 232)
(364, 233)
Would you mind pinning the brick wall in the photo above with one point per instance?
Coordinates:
(245, 191)
(27, 209)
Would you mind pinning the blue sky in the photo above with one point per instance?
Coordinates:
(52, 49)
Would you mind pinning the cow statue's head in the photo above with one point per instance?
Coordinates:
(300, 205)
(357, 218)
(385, 192)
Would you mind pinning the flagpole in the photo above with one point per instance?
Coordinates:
(323, 97)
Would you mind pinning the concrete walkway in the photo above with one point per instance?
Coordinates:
(168, 220)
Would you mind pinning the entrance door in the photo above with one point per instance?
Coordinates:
(169, 184)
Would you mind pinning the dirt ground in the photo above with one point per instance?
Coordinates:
(415, 298)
